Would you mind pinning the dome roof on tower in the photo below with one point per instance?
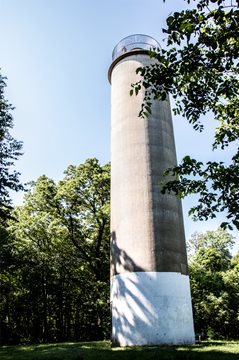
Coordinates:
(134, 42)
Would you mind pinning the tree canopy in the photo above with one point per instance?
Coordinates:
(214, 276)
(10, 150)
(199, 68)
(55, 260)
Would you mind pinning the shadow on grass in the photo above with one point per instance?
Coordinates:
(102, 350)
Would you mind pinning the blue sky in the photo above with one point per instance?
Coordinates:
(56, 55)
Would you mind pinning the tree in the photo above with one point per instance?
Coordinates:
(199, 68)
(10, 150)
(214, 284)
(220, 240)
(84, 195)
(55, 261)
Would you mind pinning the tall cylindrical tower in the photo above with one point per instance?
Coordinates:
(150, 291)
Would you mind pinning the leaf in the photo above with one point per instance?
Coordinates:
(148, 109)
(170, 19)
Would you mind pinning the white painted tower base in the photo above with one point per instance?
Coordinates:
(151, 308)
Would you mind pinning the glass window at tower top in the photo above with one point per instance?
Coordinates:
(134, 42)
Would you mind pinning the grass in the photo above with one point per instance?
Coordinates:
(101, 350)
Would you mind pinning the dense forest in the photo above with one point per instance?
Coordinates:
(54, 253)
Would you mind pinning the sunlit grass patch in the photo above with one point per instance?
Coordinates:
(101, 350)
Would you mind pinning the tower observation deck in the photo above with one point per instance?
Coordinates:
(134, 43)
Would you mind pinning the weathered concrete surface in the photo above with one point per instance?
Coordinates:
(146, 225)
(147, 231)
(150, 308)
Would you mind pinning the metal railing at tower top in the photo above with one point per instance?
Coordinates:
(134, 42)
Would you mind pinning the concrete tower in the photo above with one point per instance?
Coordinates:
(150, 290)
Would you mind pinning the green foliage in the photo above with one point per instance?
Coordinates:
(199, 68)
(214, 275)
(10, 150)
(55, 260)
